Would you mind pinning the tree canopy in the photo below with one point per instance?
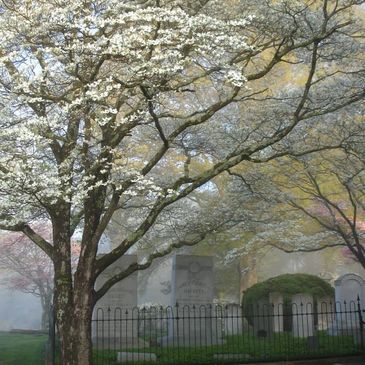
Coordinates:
(139, 106)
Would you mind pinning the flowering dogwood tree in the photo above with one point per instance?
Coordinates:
(101, 99)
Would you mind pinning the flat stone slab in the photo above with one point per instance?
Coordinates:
(189, 341)
(117, 343)
(232, 357)
(136, 356)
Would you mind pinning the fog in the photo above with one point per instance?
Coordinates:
(19, 310)
(23, 311)
(328, 264)
(154, 284)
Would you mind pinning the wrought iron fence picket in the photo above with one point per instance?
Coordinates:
(225, 334)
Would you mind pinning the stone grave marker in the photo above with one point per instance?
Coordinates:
(277, 302)
(326, 312)
(234, 322)
(132, 357)
(262, 318)
(194, 320)
(192, 280)
(348, 288)
(112, 313)
(303, 319)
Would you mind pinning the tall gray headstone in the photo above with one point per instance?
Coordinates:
(193, 318)
(262, 318)
(277, 301)
(192, 280)
(234, 321)
(303, 315)
(326, 312)
(112, 313)
(348, 288)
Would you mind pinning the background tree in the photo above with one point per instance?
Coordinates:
(29, 269)
(329, 190)
(100, 98)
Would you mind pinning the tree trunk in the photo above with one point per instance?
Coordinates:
(74, 328)
(46, 301)
(73, 297)
(74, 291)
(45, 318)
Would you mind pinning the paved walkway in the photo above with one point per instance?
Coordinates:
(335, 361)
(351, 363)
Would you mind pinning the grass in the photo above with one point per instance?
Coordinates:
(27, 349)
(21, 349)
(246, 348)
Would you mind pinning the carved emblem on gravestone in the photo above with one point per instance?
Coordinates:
(193, 270)
(192, 282)
(166, 287)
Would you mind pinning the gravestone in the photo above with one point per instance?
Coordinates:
(193, 319)
(112, 324)
(325, 312)
(303, 319)
(262, 318)
(132, 357)
(277, 300)
(348, 288)
(192, 280)
(234, 322)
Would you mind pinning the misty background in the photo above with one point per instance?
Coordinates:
(23, 311)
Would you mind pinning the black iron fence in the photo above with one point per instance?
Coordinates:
(214, 334)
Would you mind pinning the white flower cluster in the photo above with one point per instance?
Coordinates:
(124, 31)
(236, 77)
(72, 74)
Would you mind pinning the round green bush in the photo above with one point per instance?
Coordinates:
(288, 285)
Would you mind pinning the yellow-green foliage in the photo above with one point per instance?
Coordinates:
(288, 285)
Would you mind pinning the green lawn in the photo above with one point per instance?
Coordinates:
(21, 349)
(27, 349)
(245, 348)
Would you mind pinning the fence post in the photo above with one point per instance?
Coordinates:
(361, 322)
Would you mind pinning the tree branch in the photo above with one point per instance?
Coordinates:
(136, 266)
(36, 238)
